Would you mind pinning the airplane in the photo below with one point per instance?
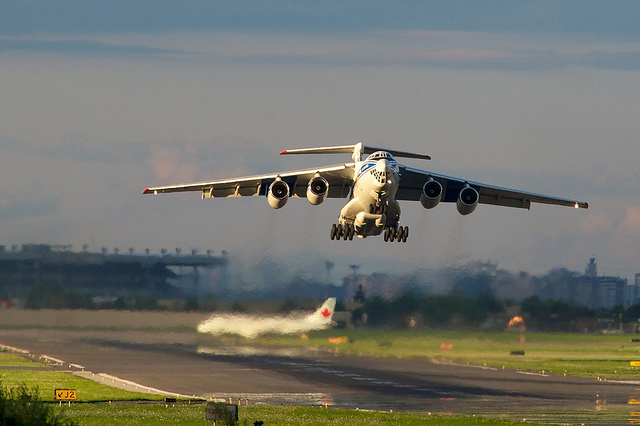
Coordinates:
(374, 187)
(252, 326)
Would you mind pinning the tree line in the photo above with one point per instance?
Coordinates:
(409, 309)
(458, 311)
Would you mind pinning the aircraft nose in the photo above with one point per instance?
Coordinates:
(383, 166)
(382, 172)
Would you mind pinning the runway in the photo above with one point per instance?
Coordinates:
(176, 363)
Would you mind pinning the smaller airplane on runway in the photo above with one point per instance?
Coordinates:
(252, 326)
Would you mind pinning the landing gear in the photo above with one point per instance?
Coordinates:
(403, 234)
(399, 234)
(346, 231)
(379, 208)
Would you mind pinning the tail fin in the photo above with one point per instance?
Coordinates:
(357, 150)
(324, 313)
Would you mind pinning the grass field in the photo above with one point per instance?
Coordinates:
(48, 381)
(590, 355)
(12, 360)
(181, 414)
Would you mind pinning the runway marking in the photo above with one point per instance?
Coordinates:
(481, 367)
(532, 373)
(128, 384)
(12, 349)
(48, 358)
(301, 366)
(274, 398)
(352, 375)
(625, 382)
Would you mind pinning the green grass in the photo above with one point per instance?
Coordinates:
(88, 390)
(12, 360)
(589, 355)
(194, 414)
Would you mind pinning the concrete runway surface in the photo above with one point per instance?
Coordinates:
(178, 363)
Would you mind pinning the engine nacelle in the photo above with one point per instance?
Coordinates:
(278, 193)
(431, 194)
(317, 190)
(467, 200)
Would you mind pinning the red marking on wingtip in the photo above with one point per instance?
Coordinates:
(283, 152)
(145, 191)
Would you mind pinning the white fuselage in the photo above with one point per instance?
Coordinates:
(372, 206)
(251, 326)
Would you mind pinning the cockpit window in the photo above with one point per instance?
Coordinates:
(380, 154)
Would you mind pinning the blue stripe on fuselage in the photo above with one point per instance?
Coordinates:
(365, 168)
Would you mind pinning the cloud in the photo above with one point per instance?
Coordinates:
(630, 226)
(616, 243)
(329, 17)
(595, 224)
(19, 207)
(168, 163)
(79, 149)
(431, 46)
(534, 35)
(83, 48)
(182, 162)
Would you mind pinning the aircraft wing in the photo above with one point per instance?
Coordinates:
(340, 180)
(412, 180)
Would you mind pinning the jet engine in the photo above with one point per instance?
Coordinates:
(317, 190)
(431, 194)
(278, 193)
(467, 200)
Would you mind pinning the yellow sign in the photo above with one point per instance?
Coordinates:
(66, 394)
(634, 363)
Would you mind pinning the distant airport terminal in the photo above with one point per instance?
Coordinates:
(103, 274)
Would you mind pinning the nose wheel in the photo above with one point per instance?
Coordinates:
(399, 234)
(346, 231)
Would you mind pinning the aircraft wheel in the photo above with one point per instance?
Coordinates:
(400, 235)
(406, 234)
(333, 231)
(339, 231)
(386, 234)
(392, 234)
(347, 231)
(351, 230)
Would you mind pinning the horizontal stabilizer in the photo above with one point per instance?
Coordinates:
(344, 149)
(358, 148)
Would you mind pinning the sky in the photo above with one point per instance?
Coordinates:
(103, 99)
